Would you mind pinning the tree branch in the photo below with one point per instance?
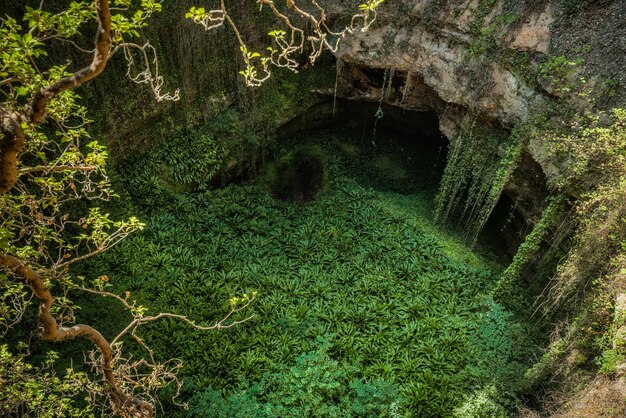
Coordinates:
(11, 132)
(11, 143)
(40, 102)
(321, 35)
(51, 169)
(121, 402)
(140, 320)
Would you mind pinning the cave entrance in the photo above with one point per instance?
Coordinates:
(384, 147)
(390, 149)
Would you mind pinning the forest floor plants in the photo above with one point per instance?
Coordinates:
(358, 298)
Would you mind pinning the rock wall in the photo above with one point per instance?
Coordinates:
(456, 57)
(463, 49)
(425, 53)
(433, 45)
(484, 58)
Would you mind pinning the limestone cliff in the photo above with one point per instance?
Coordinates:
(495, 60)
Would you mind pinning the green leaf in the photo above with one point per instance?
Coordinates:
(21, 91)
(5, 237)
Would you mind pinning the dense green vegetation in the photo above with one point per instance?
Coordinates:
(364, 308)
(367, 302)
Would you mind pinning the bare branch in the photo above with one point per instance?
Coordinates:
(56, 168)
(147, 76)
(126, 370)
(112, 240)
(321, 37)
(140, 320)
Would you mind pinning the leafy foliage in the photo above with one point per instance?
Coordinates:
(316, 386)
(352, 267)
(483, 403)
(558, 74)
(29, 391)
(609, 361)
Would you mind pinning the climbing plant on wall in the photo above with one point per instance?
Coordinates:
(529, 248)
(480, 162)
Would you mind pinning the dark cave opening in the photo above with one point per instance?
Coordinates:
(407, 154)
(298, 176)
(408, 143)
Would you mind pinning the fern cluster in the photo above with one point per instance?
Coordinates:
(402, 319)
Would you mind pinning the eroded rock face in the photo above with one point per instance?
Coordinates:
(458, 53)
(436, 47)
(488, 60)
(534, 33)
(423, 55)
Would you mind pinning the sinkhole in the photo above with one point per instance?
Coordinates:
(354, 281)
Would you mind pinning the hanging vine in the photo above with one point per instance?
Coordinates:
(384, 90)
(491, 191)
(467, 158)
(339, 68)
(475, 174)
(530, 247)
(408, 84)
